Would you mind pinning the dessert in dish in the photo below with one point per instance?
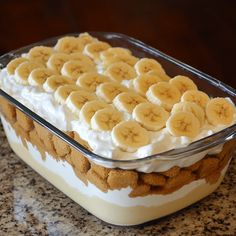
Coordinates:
(120, 107)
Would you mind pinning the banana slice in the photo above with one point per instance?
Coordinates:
(13, 64)
(161, 74)
(183, 123)
(74, 69)
(199, 97)
(63, 92)
(145, 65)
(86, 38)
(106, 119)
(163, 94)
(78, 56)
(40, 54)
(128, 59)
(109, 90)
(93, 49)
(183, 83)
(129, 136)
(190, 107)
(127, 101)
(69, 44)
(150, 116)
(113, 52)
(117, 54)
(89, 109)
(55, 81)
(23, 71)
(143, 82)
(57, 60)
(91, 80)
(220, 111)
(77, 99)
(39, 75)
(120, 71)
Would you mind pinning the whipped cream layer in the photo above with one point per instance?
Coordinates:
(117, 197)
(44, 104)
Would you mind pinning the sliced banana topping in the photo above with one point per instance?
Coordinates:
(89, 109)
(183, 123)
(192, 107)
(146, 65)
(77, 99)
(127, 101)
(53, 82)
(94, 49)
(150, 116)
(183, 83)
(143, 82)
(69, 44)
(220, 111)
(74, 69)
(57, 60)
(129, 136)
(106, 119)
(101, 84)
(63, 92)
(91, 80)
(196, 96)
(120, 71)
(13, 64)
(163, 94)
(23, 71)
(39, 75)
(109, 90)
(40, 54)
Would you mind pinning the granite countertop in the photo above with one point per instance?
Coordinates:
(29, 205)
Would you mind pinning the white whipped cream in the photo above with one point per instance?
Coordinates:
(44, 104)
(118, 197)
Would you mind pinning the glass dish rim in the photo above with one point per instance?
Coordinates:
(170, 155)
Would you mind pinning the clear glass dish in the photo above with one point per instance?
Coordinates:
(213, 87)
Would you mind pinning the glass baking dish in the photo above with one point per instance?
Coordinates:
(121, 192)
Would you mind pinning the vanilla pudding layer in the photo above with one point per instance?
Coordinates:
(115, 206)
(44, 104)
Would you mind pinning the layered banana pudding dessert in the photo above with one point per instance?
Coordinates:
(124, 109)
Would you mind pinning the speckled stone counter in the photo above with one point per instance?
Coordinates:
(29, 205)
